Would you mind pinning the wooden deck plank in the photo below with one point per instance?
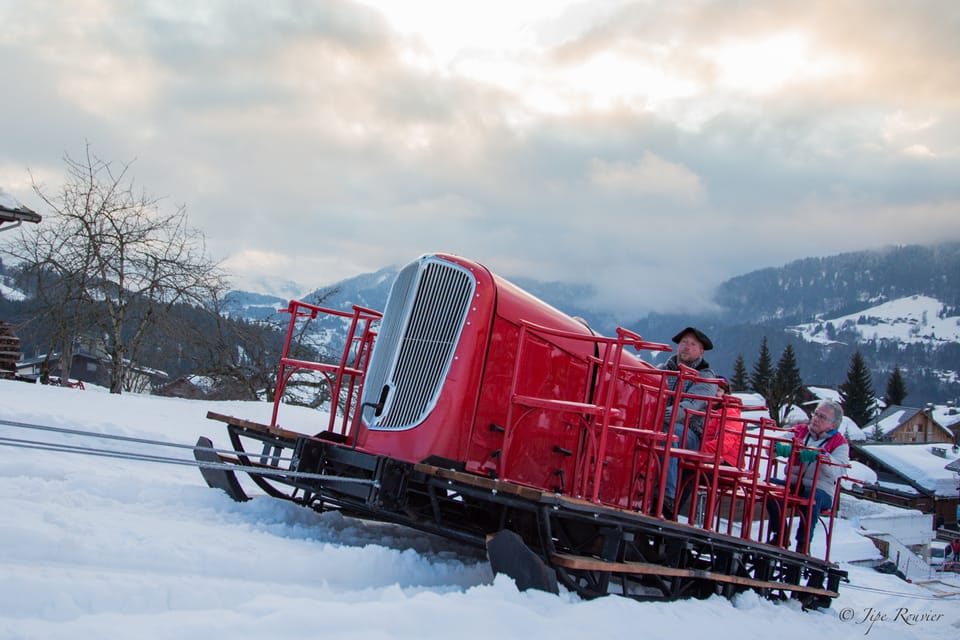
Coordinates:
(255, 426)
(643, 568)
(508, 488)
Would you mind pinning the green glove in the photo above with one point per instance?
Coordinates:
(807, 456)
(782, 449)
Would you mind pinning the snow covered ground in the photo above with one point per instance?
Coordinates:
(96, 547)
(911, 320)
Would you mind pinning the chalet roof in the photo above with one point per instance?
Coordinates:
(948, 416)
(894, 416)
(922, 466)
(55, 357)
(851, 431)
(80, 355)
(891, 418)
(824, 393)
(11, 210)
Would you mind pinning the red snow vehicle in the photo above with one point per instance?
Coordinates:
(473, 410)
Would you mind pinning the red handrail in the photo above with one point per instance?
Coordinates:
(361, 335)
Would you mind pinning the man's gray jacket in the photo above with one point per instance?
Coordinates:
(689, 386)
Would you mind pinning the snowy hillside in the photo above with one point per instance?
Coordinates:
(253, 306)
(910, 320)
(101, 547)
(10, 293)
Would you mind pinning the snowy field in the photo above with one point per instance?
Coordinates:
(912, 320)
(97, 547)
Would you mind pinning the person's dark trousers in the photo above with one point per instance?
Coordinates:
(821, 502)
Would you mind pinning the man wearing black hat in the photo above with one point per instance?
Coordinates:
(691, 344)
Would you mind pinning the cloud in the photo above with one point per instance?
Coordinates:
(650, 149)
(649, 176)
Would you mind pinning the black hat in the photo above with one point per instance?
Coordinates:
(701, 336)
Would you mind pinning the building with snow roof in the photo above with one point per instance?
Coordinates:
(949, 418)
(12, 215)
(12, 211)
(914, 476)
(897, 423)
(851, 431)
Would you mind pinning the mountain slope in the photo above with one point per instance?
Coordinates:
(899, 306)
(856, 298)
(912, 320)
(842, 284)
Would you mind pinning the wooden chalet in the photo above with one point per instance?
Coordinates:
(89, 368)
(907, 425)
(12, 214)
(9, 350)
(949, 417)
(914, 476)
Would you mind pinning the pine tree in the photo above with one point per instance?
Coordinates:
(762, 377)
(896, 388)
(787, 390)
(856, 394)
(740, 381)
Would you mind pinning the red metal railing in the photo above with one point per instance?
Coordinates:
(731, 492)
(345, 378)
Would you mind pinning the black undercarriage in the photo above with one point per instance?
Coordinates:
(538, 538)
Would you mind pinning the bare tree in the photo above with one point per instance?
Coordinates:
(112, 262)
(242, 356)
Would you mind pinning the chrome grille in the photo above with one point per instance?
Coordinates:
(421, 325)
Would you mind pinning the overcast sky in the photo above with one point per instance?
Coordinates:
(653, 149)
